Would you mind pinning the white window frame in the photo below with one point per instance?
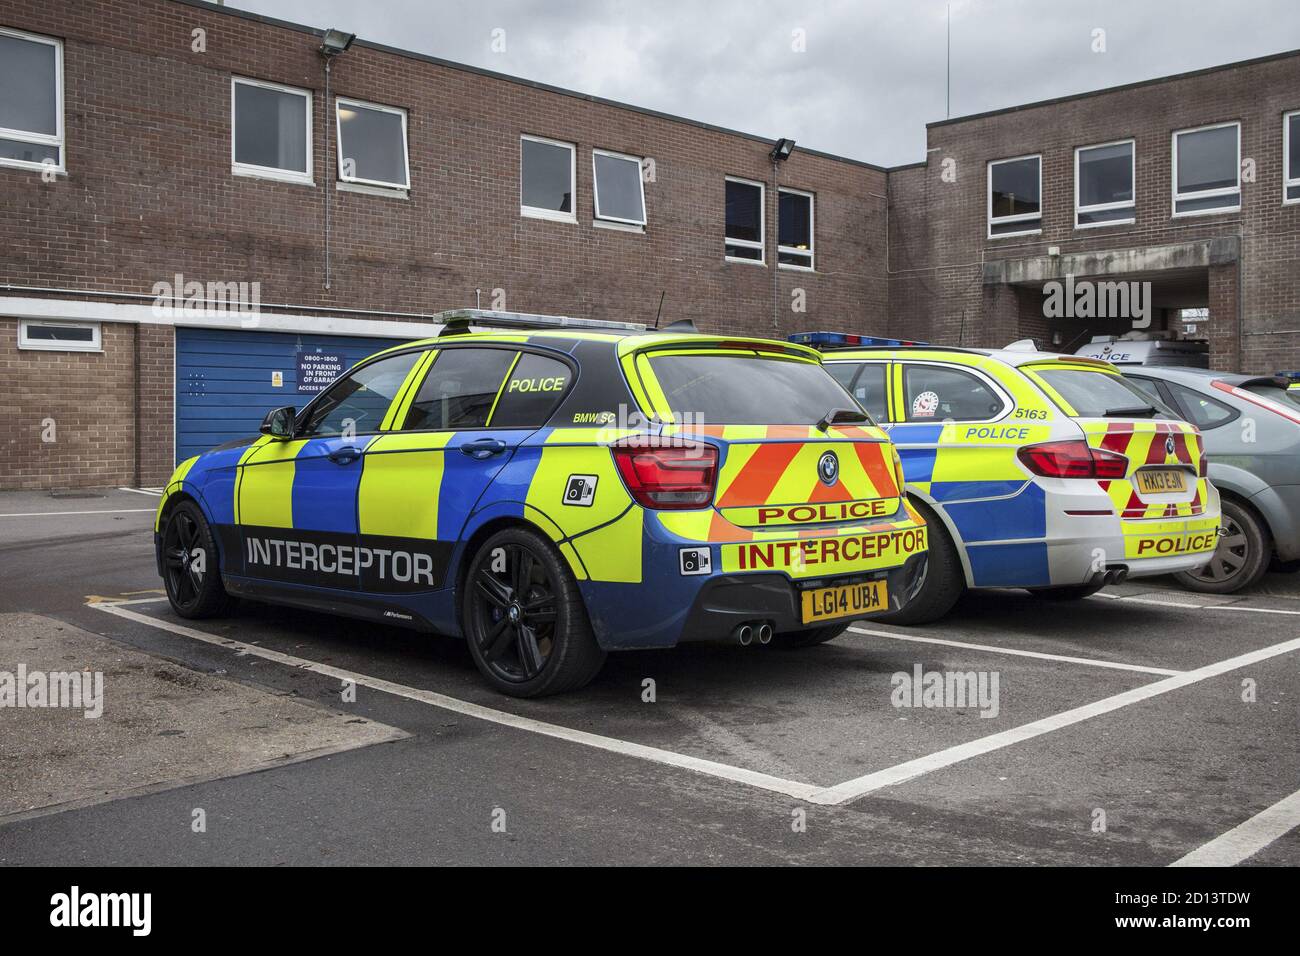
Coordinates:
(810, 252)
(1107, 206)
(1176, 197)
(761, 245)
(40, 345)
(272, 172)
(1022, 217)
(338, 141)
(41, 139)
(554, 215)
(1286, 149)
(595, 187)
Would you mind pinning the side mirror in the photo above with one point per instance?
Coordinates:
(279, 422)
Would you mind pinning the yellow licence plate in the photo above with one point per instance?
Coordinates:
(1164, 481)
(844, 600)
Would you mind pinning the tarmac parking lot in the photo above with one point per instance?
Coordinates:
(1145, 725)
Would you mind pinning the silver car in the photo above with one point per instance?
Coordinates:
(1251, 433)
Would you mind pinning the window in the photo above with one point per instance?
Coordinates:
(1147, 385)
(1097, 394)
(271, 131)
(59, 336)
(1015, 196)
(532, 390)
(1207, 170)
(794, 228)
(1103, 184)
(1291, 157)
(744, 231)
(620, 195)
(460, 389)
(546, 179)
(745, 390)
(936, 394)
(372, 144)
(31, 101)
(866, 383)
(1203, 412)
(358, 402)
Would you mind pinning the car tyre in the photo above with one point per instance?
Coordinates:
(1241, 557)
(944, 582)
(1067, 592)
(521, 613)
(191, 568)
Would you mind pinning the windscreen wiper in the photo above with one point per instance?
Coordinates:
(841, 416)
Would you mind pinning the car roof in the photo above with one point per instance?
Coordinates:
(626, 342)
(1012, 357)
(1193, 375)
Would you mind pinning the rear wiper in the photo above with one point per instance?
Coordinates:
(1130, 411)
(839, 416)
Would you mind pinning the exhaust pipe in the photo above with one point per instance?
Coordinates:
(745, 635)
(1116, 575)
(765, 633)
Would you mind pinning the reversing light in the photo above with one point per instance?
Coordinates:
(667, 476)
(1072, 459)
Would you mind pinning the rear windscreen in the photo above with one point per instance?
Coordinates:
(1099, 394)
(747, 390)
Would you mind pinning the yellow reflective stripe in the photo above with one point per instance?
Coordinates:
(239, 471)
(399, 493)
(265, 486)
(897, 409)
(658, 401)
(398, 410)
(173, 485)
(501, 388)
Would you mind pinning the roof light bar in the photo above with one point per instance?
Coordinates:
(458, 321)
(839, 340)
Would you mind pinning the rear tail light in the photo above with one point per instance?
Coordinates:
(898, 469)
(1072, 459)
(1203, 466)
(667, 476)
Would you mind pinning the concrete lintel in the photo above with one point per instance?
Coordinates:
(1200, 254)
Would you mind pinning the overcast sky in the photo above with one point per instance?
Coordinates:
(869, 76)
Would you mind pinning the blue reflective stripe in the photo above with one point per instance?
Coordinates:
(1009, 565)
(966, 490)
(1022, 516)
(325, 492)
(918, 463)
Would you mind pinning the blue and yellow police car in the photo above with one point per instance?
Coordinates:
(1034, 470)
(552, 489)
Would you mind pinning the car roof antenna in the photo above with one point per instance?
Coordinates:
(659, 311)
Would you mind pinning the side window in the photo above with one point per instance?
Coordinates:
(868, 387)
(460, 389)
(1203, 411)
(535, 386)
(358, 402)
(935, 394)
(1147, 386)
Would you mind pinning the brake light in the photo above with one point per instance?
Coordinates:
(1072, 459)
(898, 469)
(667, 476)
(1246, 395)
(1203, 466)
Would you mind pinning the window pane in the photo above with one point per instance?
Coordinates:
(372, 145)
(547, 176)
(1093, 394)
(533, 390)
(936, 394)
(60, 333)
(794, 221)
(1205, 412)
(28, 152)
(1207, 159)
(28, 87)
(1208, 202)
(1015, 187)
(618, 188)
(361, 399)
(1293, 161)
(1147, 386)
(744, 252)
(744, 212)
(869, 389)
(1105, 215)
(1106, 174)
(270, 128)
(1018, 225)
(722, 389)
(459, 390)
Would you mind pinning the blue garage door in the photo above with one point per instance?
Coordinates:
(226, 381)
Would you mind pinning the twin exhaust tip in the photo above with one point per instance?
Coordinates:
(746, 633)
(1110, 576)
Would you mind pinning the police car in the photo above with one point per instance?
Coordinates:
(1034, 470)
(555, 489)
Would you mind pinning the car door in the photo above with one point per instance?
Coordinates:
(296, 500)
(473, 406)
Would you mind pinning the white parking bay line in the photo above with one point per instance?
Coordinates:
(1017, 652)
(48, 514)
(853, 789)
(1244, 841)
(792, 788)
(151, 492)
(1186, 605)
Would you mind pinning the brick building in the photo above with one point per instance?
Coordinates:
(151, 145)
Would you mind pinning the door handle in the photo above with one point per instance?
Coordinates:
(345, 455)
(483, 448)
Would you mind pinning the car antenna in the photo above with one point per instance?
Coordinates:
(660, 310)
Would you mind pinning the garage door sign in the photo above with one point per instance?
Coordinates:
(318, 369)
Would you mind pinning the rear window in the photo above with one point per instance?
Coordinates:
(1285, 396)
(1100, 394)
(866, 383)
(747, 390)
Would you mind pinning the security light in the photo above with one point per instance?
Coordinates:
(336, 42)
(781, 150)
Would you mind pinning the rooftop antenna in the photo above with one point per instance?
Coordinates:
(660, 310)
